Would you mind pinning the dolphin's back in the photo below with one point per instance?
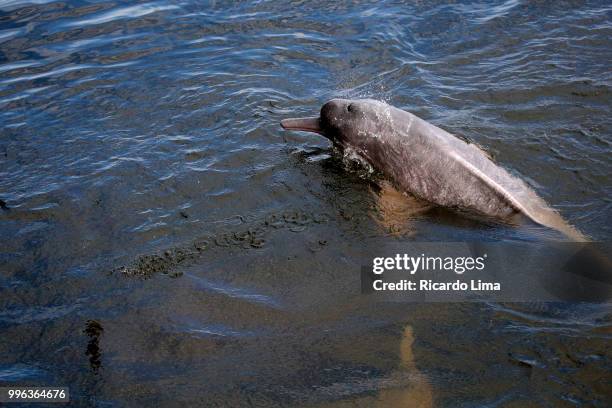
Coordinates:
(444, 169)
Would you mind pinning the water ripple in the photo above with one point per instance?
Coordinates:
(130, 127)
(122, 13)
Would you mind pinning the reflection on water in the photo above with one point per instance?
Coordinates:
(404, 387)
(394, 210)
(147, 189)
(418, 392)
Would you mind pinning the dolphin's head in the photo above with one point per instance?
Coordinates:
(346, 122)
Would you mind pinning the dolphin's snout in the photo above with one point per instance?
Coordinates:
(304, 124)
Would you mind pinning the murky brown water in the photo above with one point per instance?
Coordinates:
(165, 243)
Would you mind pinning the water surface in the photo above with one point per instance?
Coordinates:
(164, 241)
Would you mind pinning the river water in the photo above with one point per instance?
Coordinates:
(165, 242)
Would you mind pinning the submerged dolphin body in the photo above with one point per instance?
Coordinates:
(428, 162)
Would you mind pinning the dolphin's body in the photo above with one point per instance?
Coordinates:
(428, 162)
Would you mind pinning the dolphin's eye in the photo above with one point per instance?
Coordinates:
(350, 107)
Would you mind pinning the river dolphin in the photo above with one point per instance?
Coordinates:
(428, 162)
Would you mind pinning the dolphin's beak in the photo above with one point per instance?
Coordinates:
(305, 124)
